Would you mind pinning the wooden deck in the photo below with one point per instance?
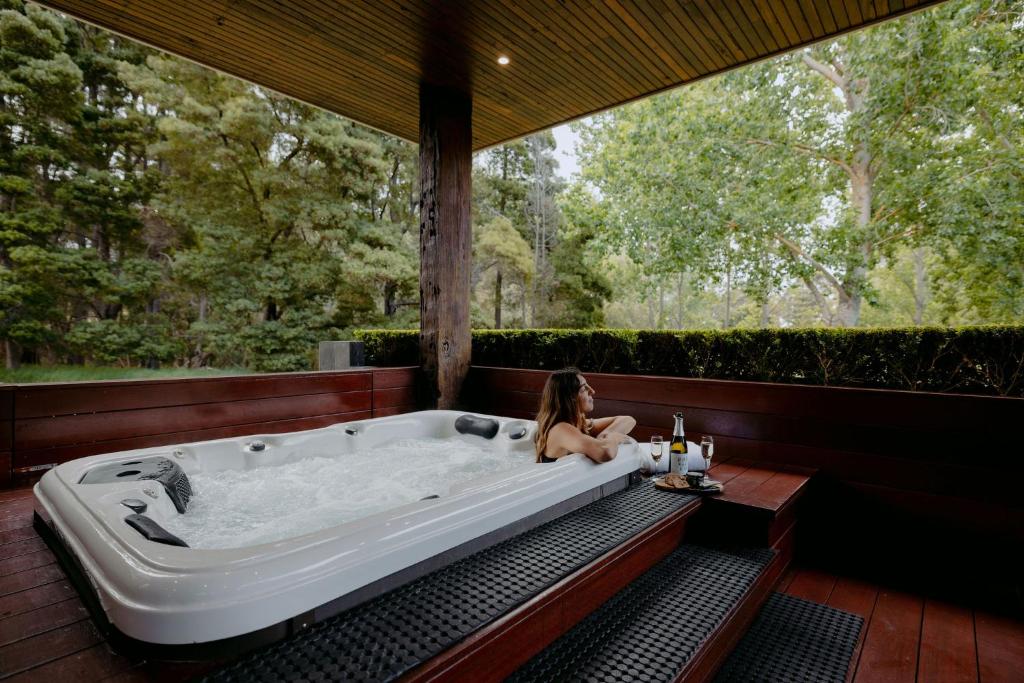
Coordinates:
(46, 633)
(913, 638)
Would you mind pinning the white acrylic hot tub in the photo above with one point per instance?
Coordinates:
(167, 594)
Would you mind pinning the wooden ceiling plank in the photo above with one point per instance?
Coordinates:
(635, 20)
(663, 33)
(768, 13)
(705, 18)
(750, 20)
(896, 6)
(678, 42)
(771, 35)
(584, 58)
(853, 12)
(708, 58)
(323, 53)
(799, 21)
(839, 13)
(560, 80)
(810, 13)
(323, 59)
(779, 14)
(825, 14)
(867, 9)
(235, 63)
(485, 70)
(718, 13)
(636, 81)
(624, 42)
(512, 112)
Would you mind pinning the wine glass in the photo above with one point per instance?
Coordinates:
(707, 449)
(656, 446)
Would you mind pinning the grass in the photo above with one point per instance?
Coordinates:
(29, 374)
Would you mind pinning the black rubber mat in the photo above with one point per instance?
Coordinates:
(794, 640)
(387, 636)
(652, 628)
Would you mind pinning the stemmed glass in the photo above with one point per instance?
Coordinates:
(707, 449)
(656, 446)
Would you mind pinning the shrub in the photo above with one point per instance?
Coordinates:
(975, 360)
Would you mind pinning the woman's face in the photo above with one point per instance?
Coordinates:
(586, 395)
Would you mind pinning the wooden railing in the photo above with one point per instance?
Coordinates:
(912, 487)
(46, 424)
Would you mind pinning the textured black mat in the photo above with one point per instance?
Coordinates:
(794, 640)
(652, 628)
(387, 636)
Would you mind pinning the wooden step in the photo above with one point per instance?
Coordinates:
(677, 622)
(757, 507)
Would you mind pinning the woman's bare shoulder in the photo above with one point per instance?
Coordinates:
(564, 428)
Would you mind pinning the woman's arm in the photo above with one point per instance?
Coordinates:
(620, 424)
(564, 435)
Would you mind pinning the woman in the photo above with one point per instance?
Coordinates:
(563, 426)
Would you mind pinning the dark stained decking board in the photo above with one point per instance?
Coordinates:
(44, 424)
(908, 637)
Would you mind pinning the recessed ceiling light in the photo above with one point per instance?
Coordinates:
(503, 60)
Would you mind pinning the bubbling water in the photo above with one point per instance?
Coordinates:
(238, 508)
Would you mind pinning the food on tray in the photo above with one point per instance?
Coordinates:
(675, 480)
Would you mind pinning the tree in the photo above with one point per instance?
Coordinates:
(499, 250)
(40, 97)
(818, 166)
(281, 200)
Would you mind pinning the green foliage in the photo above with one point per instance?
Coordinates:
(973, 360)
(390, 347)
(819, 166)
(153, 211)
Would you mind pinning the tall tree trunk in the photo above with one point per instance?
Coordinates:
(390, 299)
(862, 198)
(661, 305)
(12, 354)
(920, 286)
(497, 299)
(728, 295)
(679, 301)
(524, 302)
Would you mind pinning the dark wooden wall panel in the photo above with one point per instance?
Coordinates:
(391, 378)
(861, 423)
(46, 424)
(6, 434)
(912, 487)
(66, 430)
(43, 458)
(47, 400)
(394, 391)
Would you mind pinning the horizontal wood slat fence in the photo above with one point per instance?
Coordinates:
(46, 424)
(912, 487)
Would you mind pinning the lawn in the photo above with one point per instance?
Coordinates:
(27, 374)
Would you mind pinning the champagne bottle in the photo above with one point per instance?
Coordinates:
(677, 450)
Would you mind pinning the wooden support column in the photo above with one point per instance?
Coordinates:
(446, 156)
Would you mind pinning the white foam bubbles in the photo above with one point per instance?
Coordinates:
(238, 508)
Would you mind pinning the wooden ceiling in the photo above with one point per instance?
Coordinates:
(365, 60)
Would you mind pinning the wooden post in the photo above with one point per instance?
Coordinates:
(446, 156)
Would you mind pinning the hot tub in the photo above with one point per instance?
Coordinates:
(161, 579)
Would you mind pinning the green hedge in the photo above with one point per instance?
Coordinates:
(974, 360)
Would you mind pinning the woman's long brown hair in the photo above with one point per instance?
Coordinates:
(560, 402)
